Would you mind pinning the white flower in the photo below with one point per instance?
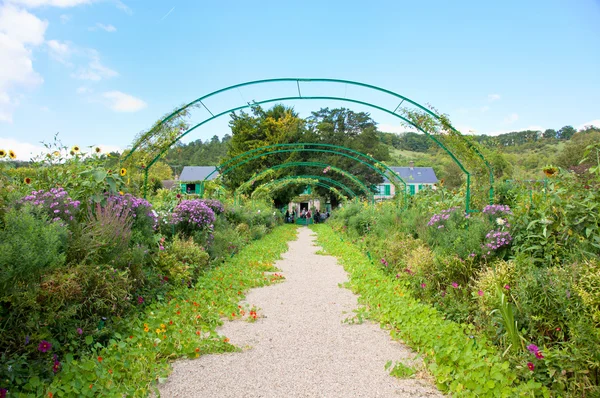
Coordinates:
(259, 211)
(434, 187)
(500, 221)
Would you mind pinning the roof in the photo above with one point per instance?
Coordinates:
(197, 173)
(415, 175)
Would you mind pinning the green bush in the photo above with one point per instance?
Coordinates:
(182, 261)
(30, 246)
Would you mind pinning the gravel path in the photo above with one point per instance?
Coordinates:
(299, 346)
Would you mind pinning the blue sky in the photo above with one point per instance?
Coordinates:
(100, 71)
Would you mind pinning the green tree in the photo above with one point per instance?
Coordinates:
(566, 133)
(549, 133)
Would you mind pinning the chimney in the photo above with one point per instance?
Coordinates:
(411, 164)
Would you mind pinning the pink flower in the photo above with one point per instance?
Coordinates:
(539, 355)
(480, 293)
(531, 366)
(507, 287)
(140, 299)
(454, 285)
(44, 346)
(423, 285)
(533, 348)
(79, 331)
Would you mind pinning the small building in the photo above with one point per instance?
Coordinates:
(192, 176)
(416, 178)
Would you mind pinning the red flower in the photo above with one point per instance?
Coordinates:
(531, 366)
(100, 359)
(539, 355)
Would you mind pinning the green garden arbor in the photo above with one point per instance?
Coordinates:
(155, 142)
(257, 177)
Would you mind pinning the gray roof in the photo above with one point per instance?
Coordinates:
(415, 175)
(197, 173)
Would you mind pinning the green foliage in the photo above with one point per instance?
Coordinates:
(30, 246)
(182, 261)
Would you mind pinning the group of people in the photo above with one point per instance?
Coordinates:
(306, 214)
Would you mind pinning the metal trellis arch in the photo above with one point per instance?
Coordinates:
(152, 138)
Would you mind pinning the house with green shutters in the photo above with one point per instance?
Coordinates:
(416, 178)
(192, 176)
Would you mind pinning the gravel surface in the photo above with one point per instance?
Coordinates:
(299, 346)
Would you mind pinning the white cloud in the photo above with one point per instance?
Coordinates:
(83, 90)
(95, 70)
(121, 102)
(59, 51)
(595, 122)
(64, 18)
(52, 3)
(107, 28)
(493, 97)
(513, 117)
(22, 26)
(123, 7)
(23, 150)
(19, 32)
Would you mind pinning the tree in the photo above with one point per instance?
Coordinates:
(566, 133)
(549, 133)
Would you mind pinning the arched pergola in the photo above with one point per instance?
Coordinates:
(172, 128)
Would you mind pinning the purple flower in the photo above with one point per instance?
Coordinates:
(79, 331)
(44, 346)
(26, 340)
(454, 285)
(480, 293)
(533, 348)
(3, 392)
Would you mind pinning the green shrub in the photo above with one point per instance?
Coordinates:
(182, 261)
(30, 246)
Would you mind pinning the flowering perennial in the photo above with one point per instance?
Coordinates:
(193, 214)
(497, 209)
(438, 219)
(136, 207)
(56, 203)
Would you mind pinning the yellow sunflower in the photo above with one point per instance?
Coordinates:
(12, 154)
(27, 180)
(550, 171)
(72, 153)
(56, 153)
(98, 149)
(75, 149)
(123, 172)
(2, 153)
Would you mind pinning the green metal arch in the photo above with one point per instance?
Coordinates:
(321, 184)
(231, 168)
(348, 82)
(363, 187)
(314, 177)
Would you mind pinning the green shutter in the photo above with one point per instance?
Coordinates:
(412, 189)
(182, 188)
(197, 189)
(388, 190)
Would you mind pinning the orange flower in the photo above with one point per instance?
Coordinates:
(100, 359)
(226, 340)
(197, 349)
